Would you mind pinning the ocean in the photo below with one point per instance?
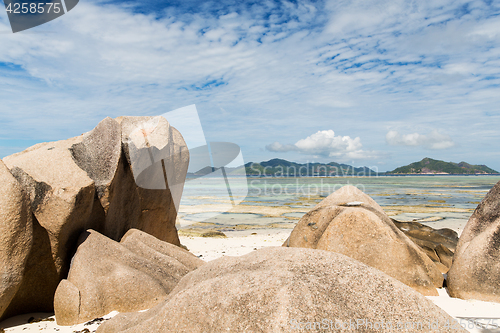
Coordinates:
(280, 202)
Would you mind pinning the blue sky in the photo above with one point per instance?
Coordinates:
(376, 83)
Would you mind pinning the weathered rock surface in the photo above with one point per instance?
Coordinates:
(281, 290)
(87, 182)
(116, 206)
(445, 255)
(159, 161)
(438, 244)
(135, 274)
(432, 237)
(61, 193)
(475, 272)
(61, 196)
(350, 222)
(16, 236)
(36, 293)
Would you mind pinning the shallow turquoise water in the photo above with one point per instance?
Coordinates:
(437, 191)
(458, 191)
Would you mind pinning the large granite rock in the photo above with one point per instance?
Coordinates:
(475, 272)
(438, 244)
(87, 182)
(36, 293)
(16, 236)
(159, 159)
(286, 290)
(135, 274)
(61, 196)
(428, 236)
(350, 222)
(116, 206)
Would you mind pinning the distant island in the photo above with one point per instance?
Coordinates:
(428, 166)
(283, 168)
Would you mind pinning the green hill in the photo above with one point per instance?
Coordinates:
(283, 168)
(430, 166)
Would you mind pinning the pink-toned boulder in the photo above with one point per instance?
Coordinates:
(61, 196)
(159, 159)
(475, 272)
(116, 206)
(287, 290)
(135, 274)
(16, 236)
(88, 182)
(350, 222)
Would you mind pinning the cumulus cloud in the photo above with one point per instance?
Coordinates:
(327, 144)
(419, 62)
(433, 140)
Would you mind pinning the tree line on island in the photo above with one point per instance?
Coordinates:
(430, 166)
(283, 168)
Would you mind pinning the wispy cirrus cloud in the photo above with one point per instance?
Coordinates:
(256, 68)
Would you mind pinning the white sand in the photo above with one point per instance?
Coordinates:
(242, 242)
(467, 312)
(237, 243)
(20, 324)
(457, 226)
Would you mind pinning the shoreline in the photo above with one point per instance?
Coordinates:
(256, 218)
(268, 221)
(241, 242)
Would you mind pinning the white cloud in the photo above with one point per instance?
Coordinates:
(327, 144)
(433, 140)
(357, 65)
(278, 147)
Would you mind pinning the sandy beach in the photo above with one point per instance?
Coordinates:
(210, 230)
(241, 242)
(155, 156)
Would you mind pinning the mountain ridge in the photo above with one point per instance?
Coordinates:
(432, 166)
(282, 168)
